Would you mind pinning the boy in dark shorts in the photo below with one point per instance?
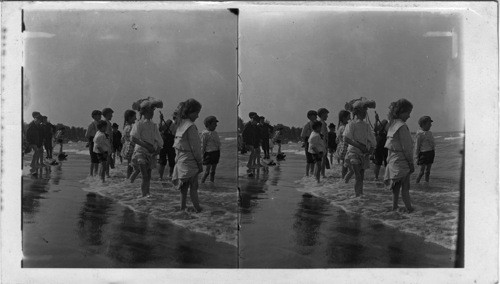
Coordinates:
(424, 148)
(332, 144)
(48, 131)
(102, 146)
(317, 148)
(210, 147)
(167, 130)
(312, 115)
(117, 143)
(380, 155)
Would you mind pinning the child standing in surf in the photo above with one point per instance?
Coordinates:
(400, 157)
(128, 146)
(424, 148)
(148, 141)
(317, 148)
(210, 147)
(188, 159)
(312, 115)
(102, 147)
(90, 134)
(361, 140)
(344, 117)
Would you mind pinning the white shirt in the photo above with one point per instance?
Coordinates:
(210, 141)
(100, 141)
(316, 144)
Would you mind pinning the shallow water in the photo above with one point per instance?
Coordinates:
(288, 220)
(65, 226)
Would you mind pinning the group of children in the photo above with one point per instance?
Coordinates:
(144, 143)
(355, 143)
(257, 134)
(41, 134)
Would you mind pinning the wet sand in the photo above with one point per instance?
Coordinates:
(282, 228)
(66, 227)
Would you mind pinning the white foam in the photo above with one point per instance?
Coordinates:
(230, 138)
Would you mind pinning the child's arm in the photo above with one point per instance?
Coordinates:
(356, 144)
(407, 145)
(204, 139)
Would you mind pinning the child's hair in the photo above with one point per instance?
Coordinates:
(107, 110)
(317, 125)
(252, 114)
(115, 125)
(128, 115)
(331, 125)
(187, 107)
(398, 107)
(342, 115)
(101, 124)
(95, 112)
(146, 109)
(311, 112)
(359, 110)
(36, 114)
(322, 110)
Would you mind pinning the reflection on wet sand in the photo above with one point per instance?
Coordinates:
(308, 220)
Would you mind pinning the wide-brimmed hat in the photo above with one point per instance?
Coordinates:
(361, 103)
(147, 103)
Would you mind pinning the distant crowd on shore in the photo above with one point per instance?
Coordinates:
(354, 143)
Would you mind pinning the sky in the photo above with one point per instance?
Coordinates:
(292, 62)
(78, 61)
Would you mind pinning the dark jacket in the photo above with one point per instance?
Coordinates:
(252, 135)
(34, 134)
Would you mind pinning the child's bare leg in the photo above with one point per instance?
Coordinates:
(103, 171)
(130, 169)
(358, 182)
(421, 173)
(193, 193)
(146, 177)
(307, 169)
(317, 170)
(184, 189)
(161, 170)
(405, 193)
(134, 175)
(395, 186)
(376, 171)
(344, 169)
(349, 174)
(323, 165)
(428, 172)
(206, 173)
(212, 172)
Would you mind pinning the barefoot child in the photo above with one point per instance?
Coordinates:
(380, 155)
(424, 148)
(312, 115)
(117, 143)
(188, 159)
(167, 152)
(102, 146)
(148, 142)
(323, 116)
(210, 147)
(344, 117)
(317, 148)
(361, 140)
(128, 146)
(332, 144)
(90, 134)
(34, 136)
(107, 113)
(400, 158)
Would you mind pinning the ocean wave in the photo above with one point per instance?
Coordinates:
(435, 218)
(453, 138)
(230, 138)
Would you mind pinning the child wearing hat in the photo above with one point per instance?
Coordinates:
(210, 148)
(424, 148)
